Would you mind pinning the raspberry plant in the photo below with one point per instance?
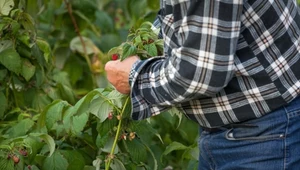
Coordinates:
(50, 122)
(142, 41)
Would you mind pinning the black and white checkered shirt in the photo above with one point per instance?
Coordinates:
(225, 61)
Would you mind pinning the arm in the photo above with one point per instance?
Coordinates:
(201, 39)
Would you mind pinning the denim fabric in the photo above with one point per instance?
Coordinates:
(271, 142)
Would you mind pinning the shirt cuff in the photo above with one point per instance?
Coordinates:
(140, 107)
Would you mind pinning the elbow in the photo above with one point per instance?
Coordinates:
(205, 85)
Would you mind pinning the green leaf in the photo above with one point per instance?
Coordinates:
(3, 104)
(21, 128)
(137, 150)
(40, 76)
(11, 60)
(27, 22)
(56, 162)
(6, 164)
(48, 139)
(6, 6)
(107, 147)
(79, 122)
(151, 49)
(128, 50)
(28, 69)
(75, 159)
(116, 97)
(5, 44)
(83, 105)
(74, 68)
(3, 73)
(54, 114)
(25, 39)
(45, 47)
(100, 108)
(46, 114)
(40, 100)
(66, 93)
(33, 146)
(117, 165)
(173, 147)
(145, 131)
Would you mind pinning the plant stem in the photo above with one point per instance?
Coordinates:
(85, 55)
(14, 90)
(116, 137)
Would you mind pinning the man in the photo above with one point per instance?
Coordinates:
(233, 66)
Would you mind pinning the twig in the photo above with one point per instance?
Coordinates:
(70, 11)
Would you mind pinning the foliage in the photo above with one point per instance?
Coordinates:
(57, 110)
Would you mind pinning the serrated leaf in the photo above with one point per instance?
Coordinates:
(6, 164)
(6, 6)
(128, 50)
(33, 146)
(138, 39)
(28, 69)
(79, 122)
(145, 131)
(3, 104)
(11, 60)
(117, 165)
(116, 97)
(47, 113)
(137, 150)
(151, 49)
(48, 139)
(75, 159)
(21, 128)
(83, 105)
(146, 24)
(56, 162)
(173, 147)
(100, 107)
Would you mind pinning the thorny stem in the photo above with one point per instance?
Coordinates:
(85, 55)
(109, 158)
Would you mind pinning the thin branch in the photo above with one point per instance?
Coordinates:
(85, 55)
(70, 11)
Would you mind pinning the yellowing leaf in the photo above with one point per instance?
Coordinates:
(45, 47)
(76, 45)
(6, 6)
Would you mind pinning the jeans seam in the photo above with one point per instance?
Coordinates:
(285, 143)
(209, 154)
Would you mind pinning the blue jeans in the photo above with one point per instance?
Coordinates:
(271, 142)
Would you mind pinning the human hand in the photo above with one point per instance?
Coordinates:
(118, 73)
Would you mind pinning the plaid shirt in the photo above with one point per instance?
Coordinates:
(224, 61)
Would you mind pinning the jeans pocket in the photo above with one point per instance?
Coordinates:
(254, 132)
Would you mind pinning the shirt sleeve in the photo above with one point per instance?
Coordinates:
(200, 43)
